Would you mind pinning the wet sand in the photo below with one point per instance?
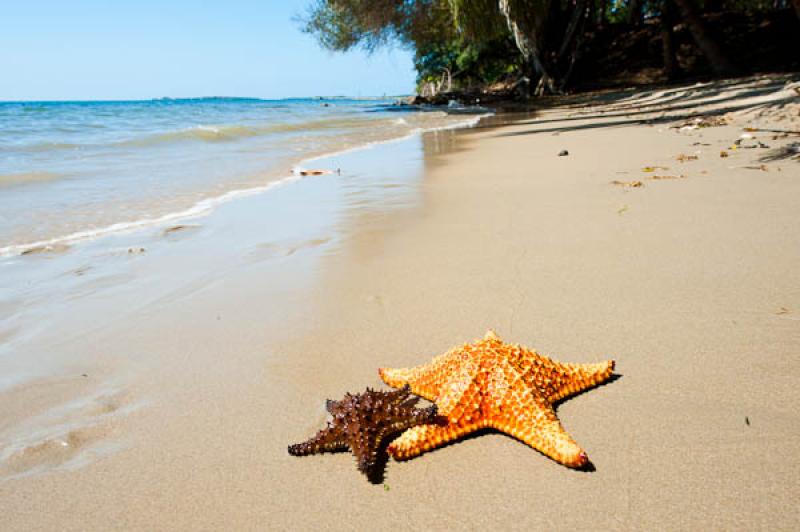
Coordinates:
(209, 353)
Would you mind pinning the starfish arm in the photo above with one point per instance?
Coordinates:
(410, 417)
(331, 406)
(424, 381)
(576, 378)
(400, 396)
(365, 450)
(422, 438)
(398, 377)
(324, 441)
(540, 428)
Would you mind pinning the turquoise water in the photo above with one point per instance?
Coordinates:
(71, 171)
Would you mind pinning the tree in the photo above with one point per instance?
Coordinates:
(459, 43)
(525, 22)
(717, 58)
(547, 36)
(671, 68)
(340, 25)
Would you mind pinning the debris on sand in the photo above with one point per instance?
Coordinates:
(629, 184)
(303, 172)
(702, 122)
(563, 153)
(739, 144)
(48, 248)
(178, 228)
(649, 169)
(685, 158)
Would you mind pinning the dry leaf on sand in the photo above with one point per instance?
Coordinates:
(629, 184)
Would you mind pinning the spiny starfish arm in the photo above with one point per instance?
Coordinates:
(407, 417)
(541, 430)
(401, 396)
(410, 402)
(421, 438)
(365, 451)
(331, 405)
(420, 416)
(324, 441)
(577, 378)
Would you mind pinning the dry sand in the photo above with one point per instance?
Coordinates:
(691, 284)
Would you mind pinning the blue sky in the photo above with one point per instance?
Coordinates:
(124, 49)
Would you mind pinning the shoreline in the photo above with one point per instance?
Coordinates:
(420, 246)
(206, 206)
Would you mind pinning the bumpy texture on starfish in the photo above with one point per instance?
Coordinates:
(491, 384)
(362, 421)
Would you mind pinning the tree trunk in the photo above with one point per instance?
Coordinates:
(720, 62)
(527, 41)
(572, 41)
(671, 67)
(548, 39)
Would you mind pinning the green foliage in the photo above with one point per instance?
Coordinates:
(468, 38)
(340, 25)
(478, 19)
(470, 63)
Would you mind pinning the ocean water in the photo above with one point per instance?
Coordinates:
(71, 171)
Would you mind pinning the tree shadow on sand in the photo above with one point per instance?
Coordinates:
(784, 152)
(625, 108)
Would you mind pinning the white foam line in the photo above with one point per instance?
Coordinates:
(206, 206)
(201, 208)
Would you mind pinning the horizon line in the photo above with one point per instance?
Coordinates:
(185, 98)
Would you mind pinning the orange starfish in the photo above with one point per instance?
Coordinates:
(491, 384)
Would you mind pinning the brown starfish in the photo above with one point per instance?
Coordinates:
(491, 384)
(361, 422)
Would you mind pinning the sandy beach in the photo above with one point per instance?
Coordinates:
(173, 368)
